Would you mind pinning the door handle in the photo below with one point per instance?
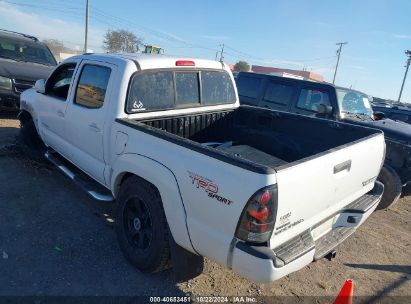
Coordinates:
(343, 166)
(60, 113)
(94, 127)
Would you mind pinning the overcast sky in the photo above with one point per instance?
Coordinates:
(279, 33)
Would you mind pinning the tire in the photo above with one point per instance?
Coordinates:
(29, 137)
(392, 187)
(141, 226)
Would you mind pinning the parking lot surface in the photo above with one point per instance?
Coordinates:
(55, 240)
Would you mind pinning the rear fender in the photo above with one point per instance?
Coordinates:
(165, 182)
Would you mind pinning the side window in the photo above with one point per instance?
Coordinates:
(59, 82)
(278, 93)
(248, 86)
(92, 86)
(310, 99)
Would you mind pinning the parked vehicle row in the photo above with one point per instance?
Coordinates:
(397, 112)
(195, 174)
(337, 104)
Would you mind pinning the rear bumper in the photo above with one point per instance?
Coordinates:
(262, 264)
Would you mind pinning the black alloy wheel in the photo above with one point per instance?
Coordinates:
(138, 224)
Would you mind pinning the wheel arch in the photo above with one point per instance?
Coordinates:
(24, 116)
(164, 181)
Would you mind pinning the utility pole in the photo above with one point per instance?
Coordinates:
(222, 52)
(338, 60)
(86, 30)
(408, 53)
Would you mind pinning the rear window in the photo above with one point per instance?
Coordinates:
(248, 86)
(187, 88)
(217, 88)
(162, 90)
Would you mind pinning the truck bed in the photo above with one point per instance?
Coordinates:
(256, 139)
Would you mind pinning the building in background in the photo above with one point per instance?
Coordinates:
(306, 75)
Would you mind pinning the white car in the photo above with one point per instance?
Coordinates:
(194, 174)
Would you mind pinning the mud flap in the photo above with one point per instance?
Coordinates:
(186, 265)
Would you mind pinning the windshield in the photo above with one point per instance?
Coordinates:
(26, 51)
(351, 102)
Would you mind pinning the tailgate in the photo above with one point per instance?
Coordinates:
(311, 191)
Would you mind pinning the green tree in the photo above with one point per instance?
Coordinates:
(121, 41)
(242, 66)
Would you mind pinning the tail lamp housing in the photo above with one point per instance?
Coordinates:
(258, 218)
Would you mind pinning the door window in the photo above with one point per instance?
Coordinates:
(92, 86)
(310, 99)
(278, 93)
(59, 82)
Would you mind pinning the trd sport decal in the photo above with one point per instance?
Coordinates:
(208, 186)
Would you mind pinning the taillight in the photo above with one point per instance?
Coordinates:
(258, 218)
(185, 63)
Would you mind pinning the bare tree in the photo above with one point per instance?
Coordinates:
(121, 41)
(56, 46)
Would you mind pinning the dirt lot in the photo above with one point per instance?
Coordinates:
(55, 240)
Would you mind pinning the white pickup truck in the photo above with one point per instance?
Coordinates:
(194, 174)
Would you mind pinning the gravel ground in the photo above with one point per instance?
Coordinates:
(55, 240)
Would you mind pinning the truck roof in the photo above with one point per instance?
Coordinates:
(17, 36)
(307, 82)
(158, 61)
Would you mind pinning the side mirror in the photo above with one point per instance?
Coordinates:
(379, 115)
(325, 109)
(40, 86)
